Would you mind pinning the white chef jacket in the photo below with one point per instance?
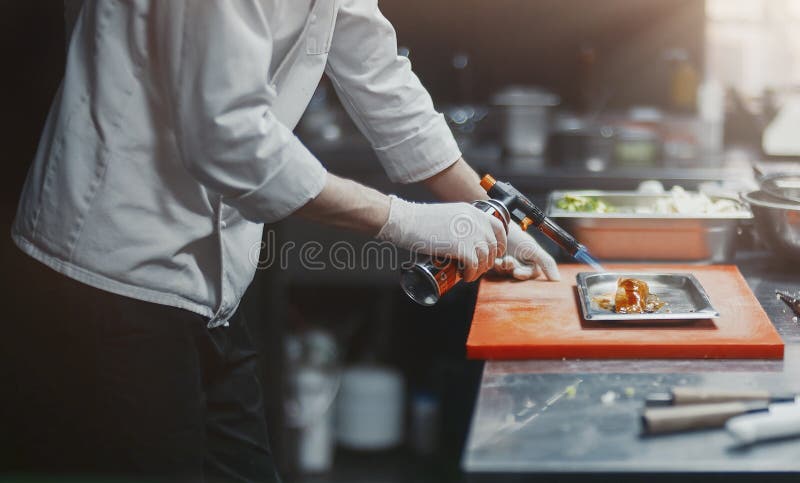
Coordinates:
(170, 140)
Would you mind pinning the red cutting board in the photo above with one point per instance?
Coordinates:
(539, 319)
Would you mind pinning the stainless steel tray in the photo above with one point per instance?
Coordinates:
(684, 296)
(628, 234)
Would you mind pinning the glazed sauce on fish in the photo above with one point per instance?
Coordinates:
(632, 297)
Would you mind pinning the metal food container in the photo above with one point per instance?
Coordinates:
(685, 298)
(631, 236)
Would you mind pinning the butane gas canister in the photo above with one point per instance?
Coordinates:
(432, 277)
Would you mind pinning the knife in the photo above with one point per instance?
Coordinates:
(698, 395)
(696, 416)
(792, 302)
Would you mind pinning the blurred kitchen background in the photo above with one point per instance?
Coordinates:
(362, 384)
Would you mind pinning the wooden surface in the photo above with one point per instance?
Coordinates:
(542, 320)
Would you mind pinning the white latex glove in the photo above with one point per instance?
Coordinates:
(525, 259)
(456, 230)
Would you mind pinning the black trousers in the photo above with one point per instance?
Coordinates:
(97, 385)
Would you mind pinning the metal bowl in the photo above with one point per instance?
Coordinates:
(785, 186)
(777, 222)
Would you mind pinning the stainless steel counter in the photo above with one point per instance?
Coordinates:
(582, 416)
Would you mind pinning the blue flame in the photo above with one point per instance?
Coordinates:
(583, 256)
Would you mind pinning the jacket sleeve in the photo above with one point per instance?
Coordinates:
(385, 98)
(214, 57)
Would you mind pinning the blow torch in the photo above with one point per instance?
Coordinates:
(428, 280)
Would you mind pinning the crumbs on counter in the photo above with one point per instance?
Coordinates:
(608, 398)
(571, 391)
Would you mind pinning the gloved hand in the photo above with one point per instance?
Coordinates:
(525, 259)
(456, 230)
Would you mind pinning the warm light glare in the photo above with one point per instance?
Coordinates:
(754, 45)
(743, 10)
(794, 8)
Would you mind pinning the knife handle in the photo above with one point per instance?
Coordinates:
(696, 416)
(696, 395)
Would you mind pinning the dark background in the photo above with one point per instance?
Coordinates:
(32, 47)
(539, 42)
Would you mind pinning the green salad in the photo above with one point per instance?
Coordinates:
(584, 204)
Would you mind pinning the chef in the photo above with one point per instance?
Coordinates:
(168, 145)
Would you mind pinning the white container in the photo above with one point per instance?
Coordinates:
(526, 119)
(312, 415)
(711, 110)
(313, 381)
(369, 410)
